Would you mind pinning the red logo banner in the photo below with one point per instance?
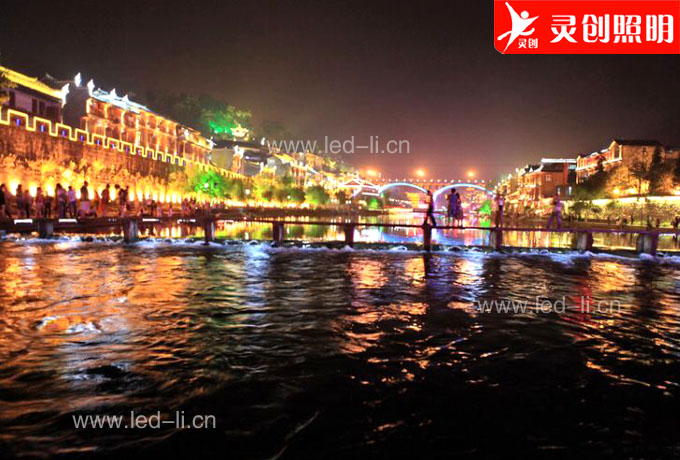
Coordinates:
(587, 27)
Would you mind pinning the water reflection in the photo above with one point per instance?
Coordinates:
(319, 353)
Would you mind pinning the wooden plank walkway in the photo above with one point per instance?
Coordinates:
(582, 240)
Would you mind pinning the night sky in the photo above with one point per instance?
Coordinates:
(422, 71)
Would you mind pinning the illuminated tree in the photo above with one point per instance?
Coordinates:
(656, 172)
(205, 113)
(281, 194)
(210, 183)
(263, 191)
(297, 195)
(237, 190)
(676, 172)
(594, 186)
(640, 172)
(223, 119)
(374, 203)
(317, 195)
(341, 196)
(485, 208)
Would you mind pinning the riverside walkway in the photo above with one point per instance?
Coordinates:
(582, 238)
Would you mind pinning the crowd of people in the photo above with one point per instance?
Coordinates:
(64, 203)
(454, 210)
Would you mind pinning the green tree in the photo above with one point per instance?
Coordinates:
(374, 203)
(676, 172)
(655, 173)
(578, 207)
(297, 195)
(210, 183)
(317, 195)
(263, 191)
(485, 208)
(341, 196)
(206, 113)
(639, 171)
(237, 190)
(281, 194)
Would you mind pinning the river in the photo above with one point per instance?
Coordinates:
(317, 353)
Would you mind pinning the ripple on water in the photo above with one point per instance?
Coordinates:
(316, 352)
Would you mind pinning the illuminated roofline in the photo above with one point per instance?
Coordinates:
(31, 83)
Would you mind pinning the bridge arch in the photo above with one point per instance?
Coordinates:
(398, 184)
(461, 185)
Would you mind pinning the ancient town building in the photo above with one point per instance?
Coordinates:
(31, 96)
(619, 152)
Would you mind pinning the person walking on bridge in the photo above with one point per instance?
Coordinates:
(85, 200)
(60, 195)
(19, 198)
(39, 203)
(500, 204)
(72, 207)
(460, 217)
(106, 197)
(453, 205)
(556, 212)
(430, 209)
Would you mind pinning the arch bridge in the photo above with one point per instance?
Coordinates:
(437, 188)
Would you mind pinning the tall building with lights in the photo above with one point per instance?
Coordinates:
(31, 96)
(107, 114)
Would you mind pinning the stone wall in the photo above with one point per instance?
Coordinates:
(38, 159)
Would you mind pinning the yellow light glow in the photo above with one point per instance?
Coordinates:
(30, 82)
(371, 172)
(471, 174)
(420, 173)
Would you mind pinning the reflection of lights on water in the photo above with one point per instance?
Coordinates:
(370, 234)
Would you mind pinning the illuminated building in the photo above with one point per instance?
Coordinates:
(534, 183)
(107, 114)
(31, 96)
(620, 152)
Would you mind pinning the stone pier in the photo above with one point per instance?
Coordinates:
(647, 243)
(45, 228)
(130, 230)
(496, 239)
(582, 241)
(209, 227)
(277, 232)
(427, 237)
(348, 230)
